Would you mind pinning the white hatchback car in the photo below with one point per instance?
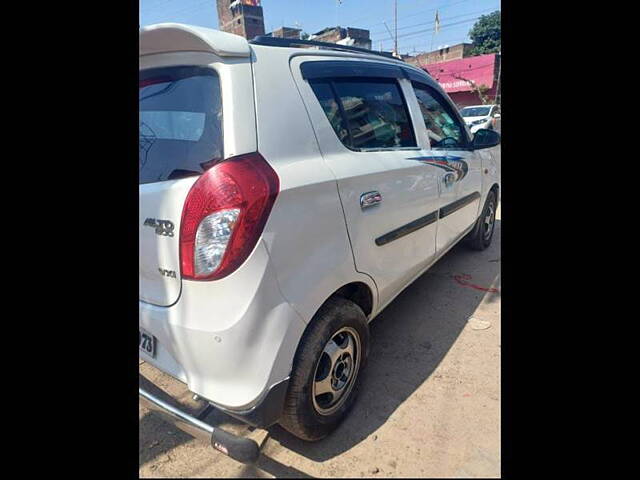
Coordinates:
(481, 116)
(287, 196)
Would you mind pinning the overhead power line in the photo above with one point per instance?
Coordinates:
(432, 21)
(410, 15)
(429, 29)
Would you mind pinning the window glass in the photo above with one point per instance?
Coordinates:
(331, 108)
(180, 118)
(475, 111)
(374, 110)
(443, 128)
(173, 125)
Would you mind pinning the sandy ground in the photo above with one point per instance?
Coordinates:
(429, 405)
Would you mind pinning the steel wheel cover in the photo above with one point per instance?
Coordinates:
(336, 371)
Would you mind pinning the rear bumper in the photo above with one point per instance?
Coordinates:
(242, 449)
(231, 341)
(267, 411)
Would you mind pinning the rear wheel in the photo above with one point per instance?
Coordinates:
(327, 370)
(480, 237)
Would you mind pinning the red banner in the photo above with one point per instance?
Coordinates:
(457, 75)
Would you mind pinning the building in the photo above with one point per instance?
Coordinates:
(461, 50)
(458, 78)
(286, 32)
(241, 17)
(356, 37)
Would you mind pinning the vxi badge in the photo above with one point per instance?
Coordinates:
(163, 227)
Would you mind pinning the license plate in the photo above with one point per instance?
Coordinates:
(147, 343)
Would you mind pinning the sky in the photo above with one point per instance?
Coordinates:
(415, 18)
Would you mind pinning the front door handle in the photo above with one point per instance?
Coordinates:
(369, 199)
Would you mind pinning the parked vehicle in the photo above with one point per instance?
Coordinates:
(287, 196)
(481, 117)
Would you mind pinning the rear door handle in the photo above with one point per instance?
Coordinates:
(369, 199)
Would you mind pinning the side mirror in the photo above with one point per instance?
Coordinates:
(485, 138)
(497, 115)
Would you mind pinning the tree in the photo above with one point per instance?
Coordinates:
(485, 34)
(481, 89)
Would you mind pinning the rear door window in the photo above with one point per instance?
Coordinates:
(180, 118)
(366, 113)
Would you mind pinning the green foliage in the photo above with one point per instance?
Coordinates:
(485, 34)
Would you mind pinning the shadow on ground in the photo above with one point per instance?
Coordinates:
(409, 339)
(157, 438)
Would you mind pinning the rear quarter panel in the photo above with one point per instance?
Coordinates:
(306, 233)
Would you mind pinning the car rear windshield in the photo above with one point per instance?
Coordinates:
(475, 111)
(180, 112)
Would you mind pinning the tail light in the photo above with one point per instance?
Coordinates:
(224, 215)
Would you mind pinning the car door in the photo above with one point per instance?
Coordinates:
(460, 167)
(366, 135)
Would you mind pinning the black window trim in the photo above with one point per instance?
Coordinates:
(330, 69)
(367, 78)
(316, 69)
(417, 84)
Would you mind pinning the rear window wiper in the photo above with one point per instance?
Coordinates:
(179, 173)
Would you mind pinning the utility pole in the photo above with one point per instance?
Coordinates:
(395, 21)
(499, 72)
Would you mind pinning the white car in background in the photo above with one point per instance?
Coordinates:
(481, 116)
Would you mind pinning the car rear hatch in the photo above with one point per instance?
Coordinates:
(181, 135)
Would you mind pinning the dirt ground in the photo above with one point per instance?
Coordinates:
(429, 404)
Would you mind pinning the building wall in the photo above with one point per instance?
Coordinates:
(331, 36)
(224, 13)
(244, 19)
(357, 37)
(287, 32)
(453, 52)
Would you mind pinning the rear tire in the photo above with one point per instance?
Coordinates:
(330, 358)
(480, 237)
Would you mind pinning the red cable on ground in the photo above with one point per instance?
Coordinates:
(462, 280)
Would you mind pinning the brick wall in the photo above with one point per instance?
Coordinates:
(357, 37)
(461, 50)
(287, 32)
(243, 19)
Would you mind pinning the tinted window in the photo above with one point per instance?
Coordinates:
(373, 111)
(180, 115)
(443, 128)
(331, 108)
